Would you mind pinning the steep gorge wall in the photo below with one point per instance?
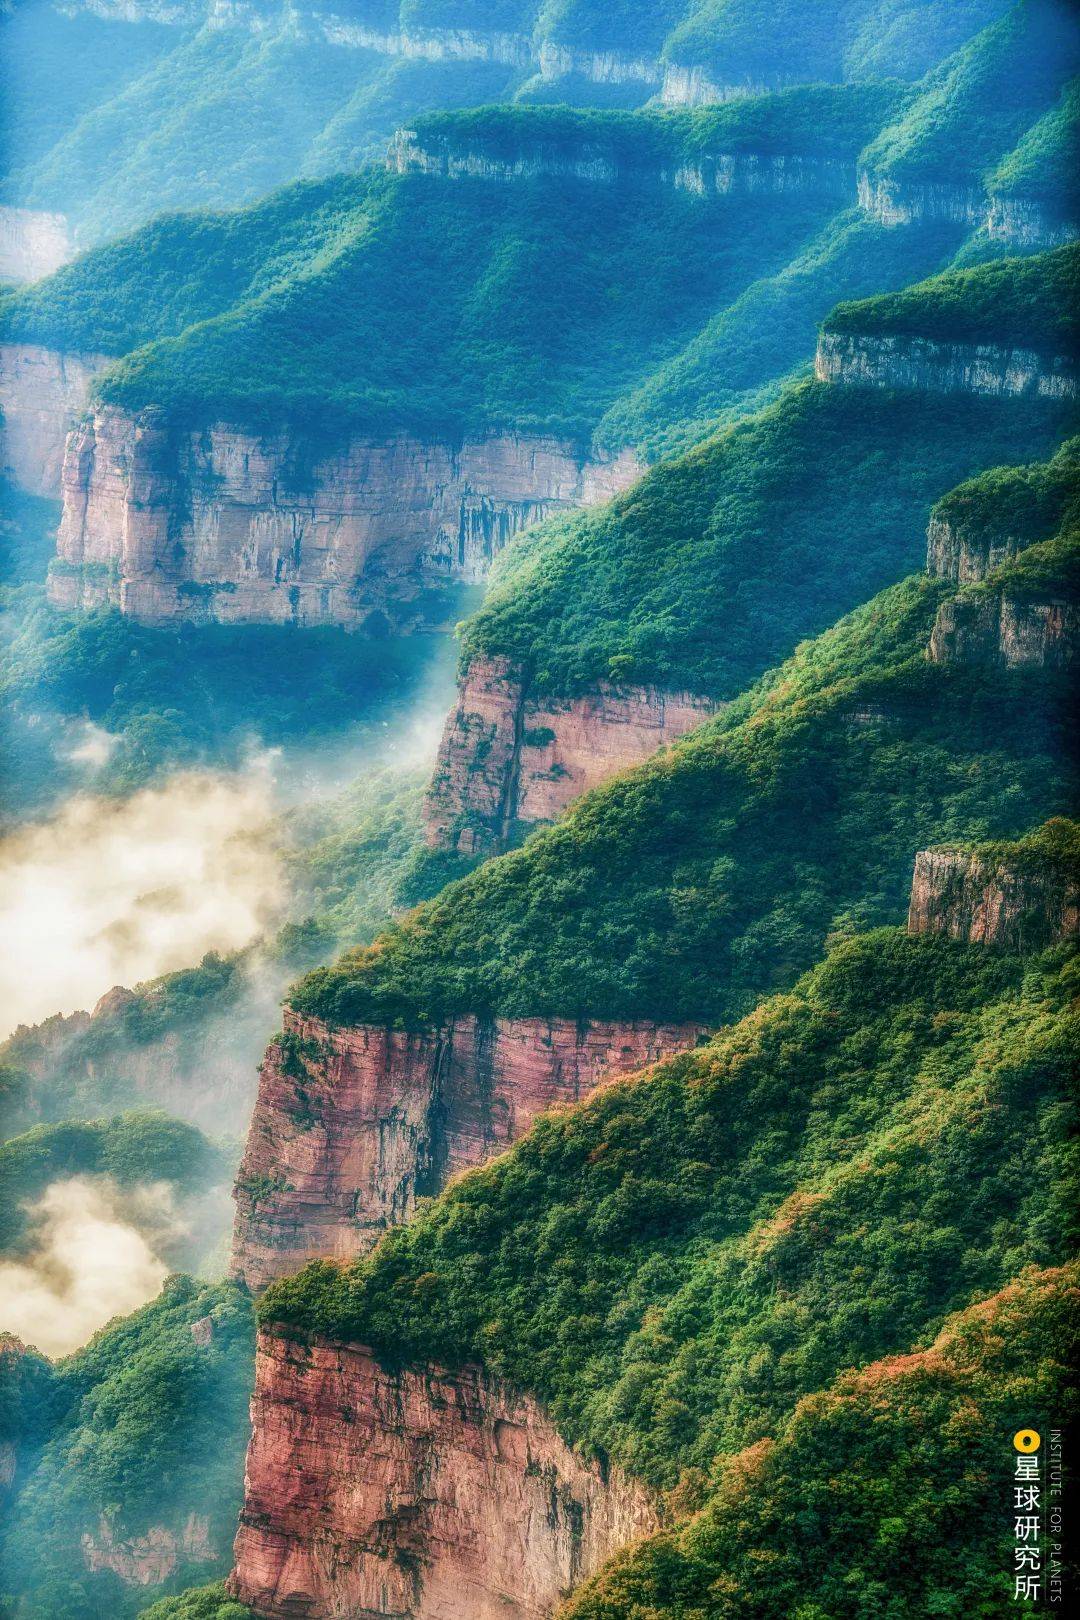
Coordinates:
(1010, 222)
(507, 756)
(431, 1495)
(966, 896)
(887, 360)
(351, 1126)
(42, 394)
(223, 524)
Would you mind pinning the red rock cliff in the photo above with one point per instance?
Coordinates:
(956, 892)
(223, 524)
(352, 1125)
(507, 756)
(414, 1496)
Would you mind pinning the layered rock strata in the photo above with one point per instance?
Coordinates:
(42, 394)
(227, 525)
(992, 628)
(710, 174)
(351, 1126)
(901, 361)
(428, 1495)
(507, 756)
(970, 897)
(32, 244)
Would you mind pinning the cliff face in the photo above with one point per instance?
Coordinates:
(1015, 633)
(428, 1495)
(222, 524)
(149, 1559)
(507, 757)
(351, 1126)
(32, 244)
(42, 392)
(894, 202)
(1018, 222)
(686, 85)
(957, 893)
(895, 361)
(965, 558)
(720, 174)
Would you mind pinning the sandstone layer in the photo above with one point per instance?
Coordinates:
(32, 244)
(42, 394)
(898, 202)
(351, 1126)
(508, 757)
(921, 364)
(989, 628)
(222, 524)
(429, 1495)
(967, 897)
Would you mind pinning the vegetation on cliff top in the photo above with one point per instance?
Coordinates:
(1020, 505)
(717, 564)
(672, 1264)
(1031, 303)
(714, 872)
(972, 109)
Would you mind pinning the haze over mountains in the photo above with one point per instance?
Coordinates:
(657, 1176)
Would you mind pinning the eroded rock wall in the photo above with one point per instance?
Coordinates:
(42, 394)
(226, 525)
(151, 1558)
(715, 174)
(991, 629)
(883, 360)
(958, 893)
(431, 1495)
(966, 558)
(507, 756)
(351, 1126)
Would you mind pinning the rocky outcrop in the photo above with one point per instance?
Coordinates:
(966, 556)
(705, 175)
(898, 202)
(32, 244)
(151, 1558)
(42, 393)
(351, 1126)
(689, 86)
(987, 628)
(558, 61)
(1020, 222)
(883, 360)
(432, 1495)
(222, 524)
(507, 756)
(1022, 906)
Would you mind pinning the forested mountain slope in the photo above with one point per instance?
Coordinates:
(157, 105)
(718, 1240)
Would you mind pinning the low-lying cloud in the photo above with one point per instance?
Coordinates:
(115, 892)
(91, 1258)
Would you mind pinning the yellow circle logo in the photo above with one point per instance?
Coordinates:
(1026, 1439)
